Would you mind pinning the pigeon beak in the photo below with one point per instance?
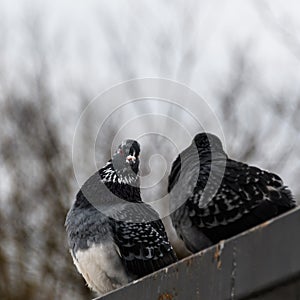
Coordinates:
(130, 159)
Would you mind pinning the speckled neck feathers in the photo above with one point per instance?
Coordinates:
(123, 184)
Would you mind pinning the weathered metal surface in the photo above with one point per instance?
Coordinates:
(288, 291)
(252, 265)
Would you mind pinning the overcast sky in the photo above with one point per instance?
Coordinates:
(212, 28)
(97, 44)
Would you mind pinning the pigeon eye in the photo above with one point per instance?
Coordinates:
(121, 151)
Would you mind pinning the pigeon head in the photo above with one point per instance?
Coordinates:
(207, 142)
(126, 158)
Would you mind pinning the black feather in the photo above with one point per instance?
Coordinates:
(220, 196)
(142, 240)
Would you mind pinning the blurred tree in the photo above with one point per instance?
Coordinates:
(37, 186)
(35, 263)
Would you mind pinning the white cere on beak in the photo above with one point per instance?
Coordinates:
(130, 158)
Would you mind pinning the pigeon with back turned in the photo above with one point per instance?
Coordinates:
(214, 197)
(113, 236)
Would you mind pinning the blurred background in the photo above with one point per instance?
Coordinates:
(242, 57)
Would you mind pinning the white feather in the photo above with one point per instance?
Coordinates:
(101, 267)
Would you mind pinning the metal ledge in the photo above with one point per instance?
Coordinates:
(261, 263)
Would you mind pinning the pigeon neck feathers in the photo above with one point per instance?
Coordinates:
(209, 147)
(110, 174)
(122, 183)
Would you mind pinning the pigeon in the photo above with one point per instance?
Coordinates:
(213, 197)
(113, 236)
